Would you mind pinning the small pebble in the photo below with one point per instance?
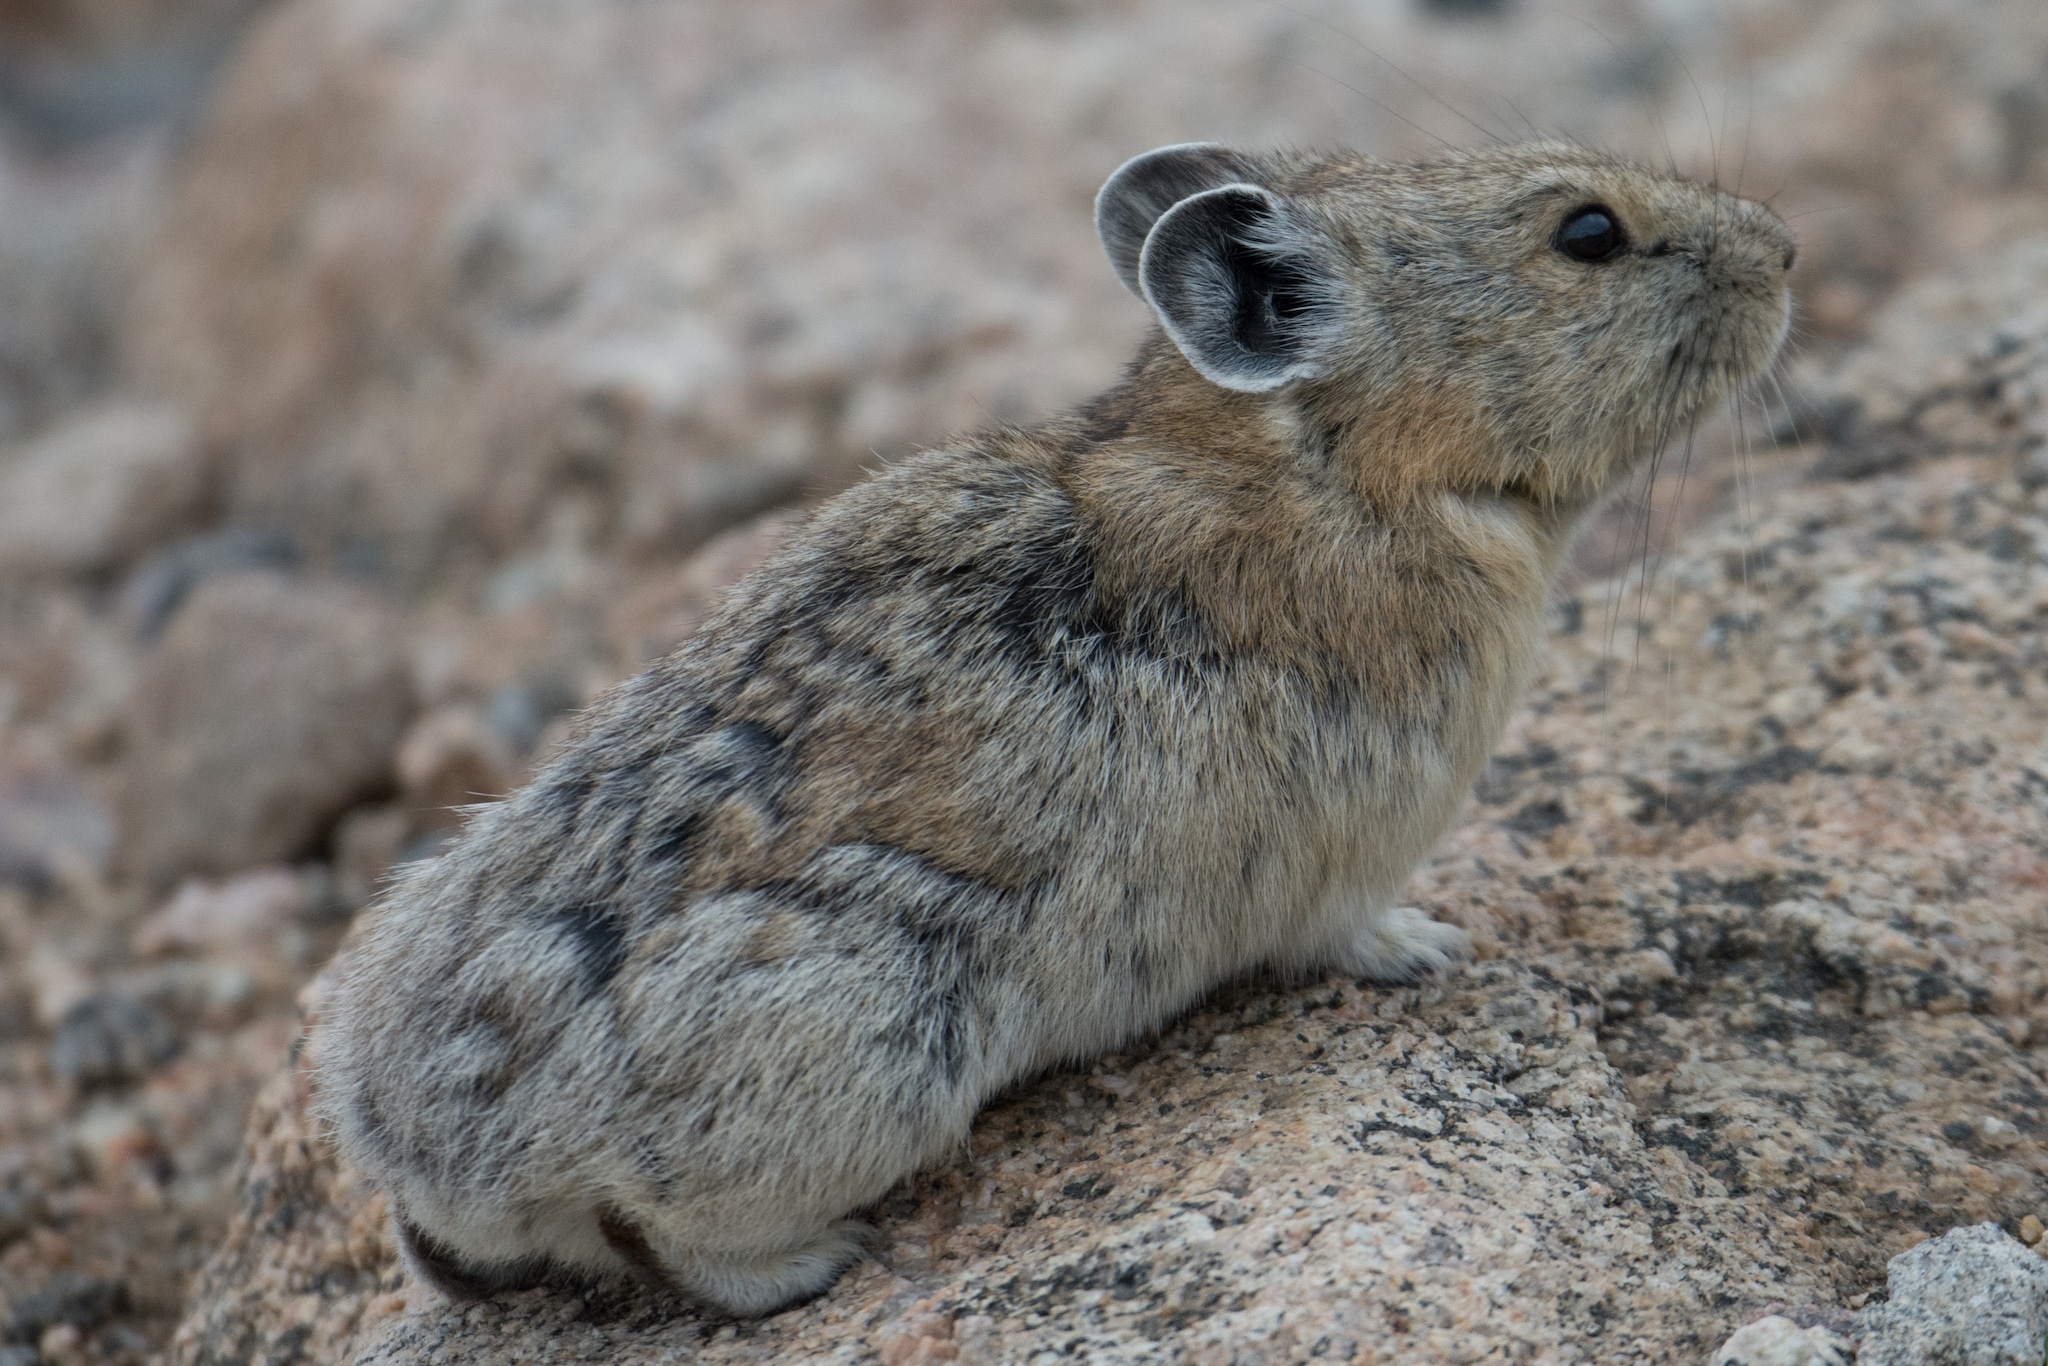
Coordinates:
(20, 1211)
(61, 1345)
(70, 1300)
(1777, 1341)
(1971, 1295)
(109, 1136)
(2031, 1229)
(110, 1038)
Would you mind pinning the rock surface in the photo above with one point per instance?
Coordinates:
(98, 490)
(222, 916)
(271, 707)
(1778, 1341)
(1972, 1297)
(1343, 1168)
(1760, 884)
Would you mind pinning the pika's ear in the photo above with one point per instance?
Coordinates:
(1239, 285)
(1146, 186)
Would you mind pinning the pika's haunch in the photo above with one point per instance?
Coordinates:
(1026, 743)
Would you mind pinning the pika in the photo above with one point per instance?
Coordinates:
(1024, 744)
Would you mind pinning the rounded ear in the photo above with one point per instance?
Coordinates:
(1146, 186)
(1238, 287)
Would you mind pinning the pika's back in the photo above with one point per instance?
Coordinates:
(886, 750)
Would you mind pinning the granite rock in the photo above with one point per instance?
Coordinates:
(1422, 1173)
(1759, 885)
(1778, 1341)
(1954, 364)
(269, 709)
(98, 490)
(1972, 1297)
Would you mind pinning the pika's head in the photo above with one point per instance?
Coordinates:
(1530, 319)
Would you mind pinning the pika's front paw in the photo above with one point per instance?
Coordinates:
(752, 1287)
(1403, 944)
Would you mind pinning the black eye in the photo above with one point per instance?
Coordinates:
(1591, 234)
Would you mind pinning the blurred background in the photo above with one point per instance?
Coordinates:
(381, 378)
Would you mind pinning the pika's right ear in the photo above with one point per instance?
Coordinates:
(1146, 186)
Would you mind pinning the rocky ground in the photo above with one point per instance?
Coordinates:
(380, 380)
(1761, 1004)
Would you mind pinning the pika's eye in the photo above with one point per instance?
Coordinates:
(1591, 234)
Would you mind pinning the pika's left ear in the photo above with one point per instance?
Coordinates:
(1138, 192)
(1241, 285)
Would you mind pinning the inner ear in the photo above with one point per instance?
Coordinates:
(1145, 187)
(1237, 286)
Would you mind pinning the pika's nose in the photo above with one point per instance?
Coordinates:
(1773, 231)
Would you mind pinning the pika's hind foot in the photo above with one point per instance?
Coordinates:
(624, 1237)
(1403, 945)
(750, 1287)
(430, 1263)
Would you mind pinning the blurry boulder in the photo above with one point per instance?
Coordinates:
(98, 489)
(430, 271)
(1958, 362)
(75, 70)
(270, 708)
(368, 844)
(663, 611)
(223, 915)
(160, 585)
(453, 758)
(51, 829)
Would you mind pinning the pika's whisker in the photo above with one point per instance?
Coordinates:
(1489, 134)
(1378, 104)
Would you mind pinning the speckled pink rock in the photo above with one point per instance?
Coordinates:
(1760, 885)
